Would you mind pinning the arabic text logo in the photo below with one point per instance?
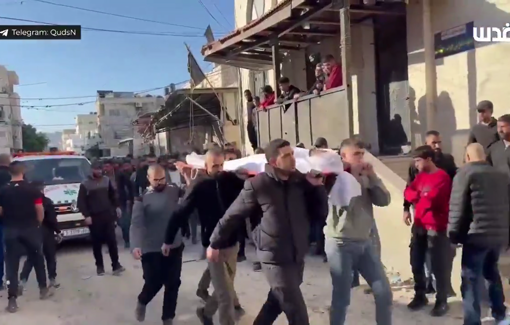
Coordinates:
(4, 33)
(492, 34)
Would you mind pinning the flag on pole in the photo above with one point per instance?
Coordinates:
(195, 72)
(209, 36)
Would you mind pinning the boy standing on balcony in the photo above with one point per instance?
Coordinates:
(430, 194)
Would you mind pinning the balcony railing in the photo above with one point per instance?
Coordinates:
(306, 119)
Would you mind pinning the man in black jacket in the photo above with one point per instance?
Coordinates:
(5, 178)
(97, 202)
(288, 200)
(211, 195)
(446, 162)
(498, 154)
(478, 220)
(141, 181)
(49, 229)
(125, 195)
(289, 91)
(485, 132)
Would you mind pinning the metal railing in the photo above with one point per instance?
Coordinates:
(305, 119)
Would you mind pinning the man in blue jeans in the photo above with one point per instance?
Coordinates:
(348, 243)
(478, 220)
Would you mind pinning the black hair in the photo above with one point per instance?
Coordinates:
(267, 89)
(162, 159)
(300, 145)
(485, 104)
(151, 155)
(247, 91)
(284, 80)
(321, 143)
(272, 150)
(423, 152)
(432, 132)
(259, 151)
(16, 168)
(328, 57)
(504, 118)
(96, 165)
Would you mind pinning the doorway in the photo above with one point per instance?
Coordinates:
(392, 85)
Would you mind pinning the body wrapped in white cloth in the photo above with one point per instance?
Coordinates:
(344, 189)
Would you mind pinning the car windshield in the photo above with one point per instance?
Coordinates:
(57, 171)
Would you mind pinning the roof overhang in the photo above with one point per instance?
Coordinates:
(125, 141)
(293, 25)
(200, 106)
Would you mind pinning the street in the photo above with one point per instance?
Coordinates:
(85, 299)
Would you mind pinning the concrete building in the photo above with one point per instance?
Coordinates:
(67, 134)
(116, 113)
(76, 143)
(86, 125)
(407, 66)
(10, 112)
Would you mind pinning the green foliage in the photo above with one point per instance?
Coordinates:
(33, 141)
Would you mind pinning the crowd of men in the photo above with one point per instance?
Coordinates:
(157, 202)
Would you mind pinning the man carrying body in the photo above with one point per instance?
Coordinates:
(348, 239)
(287, 200)
(430, 195)
(151, 215)
(211, 195)
(22, 212)
(5, 178)
(478, 220)
(485, 132)
(97, 202)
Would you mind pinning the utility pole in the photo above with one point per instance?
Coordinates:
(430, 65)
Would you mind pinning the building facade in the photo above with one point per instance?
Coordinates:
(86, 125)
(116, 112)
(10, 112)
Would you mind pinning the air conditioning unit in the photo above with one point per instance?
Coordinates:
(138, 105)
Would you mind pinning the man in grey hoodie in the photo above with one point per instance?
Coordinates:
(151, 215)
(348, 243)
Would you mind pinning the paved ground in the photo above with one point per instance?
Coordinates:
(85, 299)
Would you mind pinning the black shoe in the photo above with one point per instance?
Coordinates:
(203, 319)
(118, 270)
(440, 309)
(418, 302)
(169, 321)
(239, 311)
(140, 312)
(45, 293)
(203, 294)
(12, 305)
(100, 270)
(241, 258)
(430, 289)
(257, 267)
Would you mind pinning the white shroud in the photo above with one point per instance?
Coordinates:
(345, 188)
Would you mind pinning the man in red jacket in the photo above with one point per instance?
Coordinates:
(430, 195)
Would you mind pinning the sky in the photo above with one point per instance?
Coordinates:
(102, 60)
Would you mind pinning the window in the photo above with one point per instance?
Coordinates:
(58, 170)
(114, 112)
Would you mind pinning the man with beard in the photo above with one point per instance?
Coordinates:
(141, 182)
(287, 200)
(485, 132)
(498, 153)
(211, 195)
(125, 194)
(97, 202)
(446, 162)
(151, 215)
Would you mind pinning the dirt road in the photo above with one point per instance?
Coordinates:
(85, 299)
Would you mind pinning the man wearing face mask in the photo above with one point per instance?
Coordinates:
(97, 202)
(211, 195)
(151, 215)
(286, 200)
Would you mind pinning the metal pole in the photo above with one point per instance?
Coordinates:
(430, 65)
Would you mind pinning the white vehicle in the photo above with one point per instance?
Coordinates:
(62, 174)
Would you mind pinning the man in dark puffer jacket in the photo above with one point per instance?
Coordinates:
(479, 220)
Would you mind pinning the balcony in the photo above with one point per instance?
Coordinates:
(306, 119)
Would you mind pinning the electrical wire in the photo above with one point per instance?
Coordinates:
(116, 15)
(211, 15)
(92, 29)
(221, 13)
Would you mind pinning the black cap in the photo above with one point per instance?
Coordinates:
(484, 105)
